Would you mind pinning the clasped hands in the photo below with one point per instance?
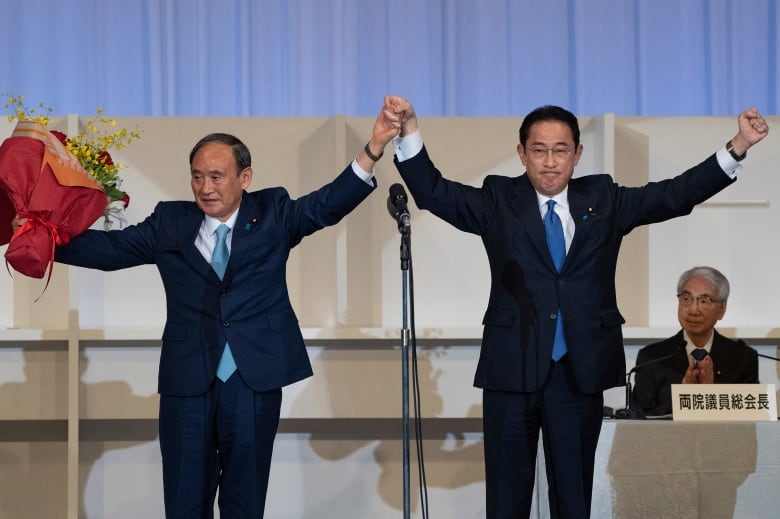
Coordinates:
(397, 117)
(701, 372)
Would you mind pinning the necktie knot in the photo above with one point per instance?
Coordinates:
(221, 232)
(699, 354)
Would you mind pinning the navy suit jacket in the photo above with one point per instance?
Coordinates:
(734, 361)
(526, 290)
(250, 308)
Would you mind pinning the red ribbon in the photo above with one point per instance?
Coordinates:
(58, 238)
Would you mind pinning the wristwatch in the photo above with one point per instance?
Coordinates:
(730, 149)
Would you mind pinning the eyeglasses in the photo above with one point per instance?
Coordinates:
(558, 152)
(705, 302)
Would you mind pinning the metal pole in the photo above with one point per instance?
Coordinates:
(405, 369)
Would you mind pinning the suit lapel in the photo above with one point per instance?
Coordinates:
(679, 361)
(582, 208)
(583, 211)
(524, 203)
(246, 225)
(186, 230)
(720, 354)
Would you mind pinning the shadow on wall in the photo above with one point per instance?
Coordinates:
(33, 470)
(361, 384)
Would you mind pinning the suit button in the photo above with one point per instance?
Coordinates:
(223, 293)
(553, 316)
(226, 324)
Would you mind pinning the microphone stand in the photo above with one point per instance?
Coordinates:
(396, 205)
(405, 231)
(629, 412)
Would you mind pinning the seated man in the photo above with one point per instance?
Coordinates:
(698, 354)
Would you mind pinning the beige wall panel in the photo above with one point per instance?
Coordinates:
(33, 480)
(32, 385)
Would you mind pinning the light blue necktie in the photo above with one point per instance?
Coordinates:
(219, 261)
(557, 247)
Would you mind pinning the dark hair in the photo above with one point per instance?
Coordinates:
(550, 113)
(240, 151)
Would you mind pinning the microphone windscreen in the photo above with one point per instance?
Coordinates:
(397, 192)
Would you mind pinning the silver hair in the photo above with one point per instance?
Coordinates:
(713, 275)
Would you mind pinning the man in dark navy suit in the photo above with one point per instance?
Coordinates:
(552, 339)
(697, 354)
(231, 338)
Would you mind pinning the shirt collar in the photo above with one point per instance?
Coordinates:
(561, 199)
(210, 223)
(689, 346)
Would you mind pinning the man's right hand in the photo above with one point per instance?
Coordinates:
(404, 110)
(18, 222)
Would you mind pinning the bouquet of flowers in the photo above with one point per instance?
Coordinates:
(60, 185)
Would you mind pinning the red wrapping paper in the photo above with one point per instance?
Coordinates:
(41, 180)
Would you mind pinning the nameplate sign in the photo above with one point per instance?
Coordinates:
(724, 402)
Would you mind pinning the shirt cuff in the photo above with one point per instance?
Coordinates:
(365, 176)
(408, 146)
(727, 163)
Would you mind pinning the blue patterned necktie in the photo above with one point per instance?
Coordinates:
(557, 247)
(219, 261)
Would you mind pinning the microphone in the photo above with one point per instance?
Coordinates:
(397, 207)
(629, 412)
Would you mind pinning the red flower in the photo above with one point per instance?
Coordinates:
(104, 157)
(60, 136)
(126, 200)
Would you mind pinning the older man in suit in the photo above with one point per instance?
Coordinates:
(552, 339)
(231, 339)
(697, 354)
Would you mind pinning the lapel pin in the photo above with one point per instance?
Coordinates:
(248, 226)
(591, 212)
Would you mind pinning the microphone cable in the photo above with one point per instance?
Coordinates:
(423, 483)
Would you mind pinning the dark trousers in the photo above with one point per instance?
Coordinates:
(570, 422)
(220, 440)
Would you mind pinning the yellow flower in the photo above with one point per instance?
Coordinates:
(90, 146)
(24, 113)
